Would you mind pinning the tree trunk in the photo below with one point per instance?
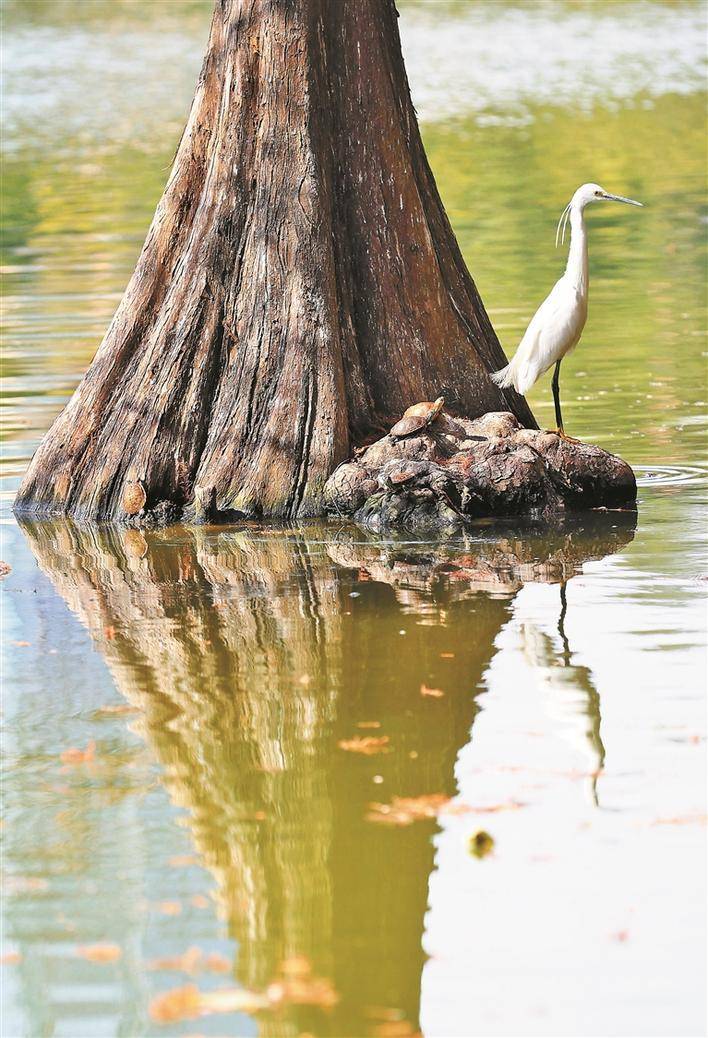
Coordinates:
(299, 287)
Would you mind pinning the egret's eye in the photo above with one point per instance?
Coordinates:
(598, 193)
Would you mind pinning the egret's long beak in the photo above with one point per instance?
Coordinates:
(621, 198)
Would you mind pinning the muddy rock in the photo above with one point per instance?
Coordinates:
(458, 470)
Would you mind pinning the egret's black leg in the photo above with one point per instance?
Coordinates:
(556, 399)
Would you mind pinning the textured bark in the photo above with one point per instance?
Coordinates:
(299, 287)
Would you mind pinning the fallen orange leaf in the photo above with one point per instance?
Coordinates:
(303, 991)
(406, 810)
(296, 966)
(188, 962)
(216, 963)
(99, 952)
(169, 907)
(384, 1013)
(75, 756)
(199, 901)
(178, 860)
(232, 1000)
(295, 986)
(436, 693)
(697, 819)
(23, 884)
(178, 1004)
(367, 744)
(10, 958)
(117, 708)
(368, 724)
(188, 1002)
(492, 809)
(396, 1029)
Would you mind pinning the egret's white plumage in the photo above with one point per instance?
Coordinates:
(558, 323)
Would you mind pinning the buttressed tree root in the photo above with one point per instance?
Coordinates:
(453, 471)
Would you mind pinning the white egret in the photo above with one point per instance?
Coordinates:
(557, 325)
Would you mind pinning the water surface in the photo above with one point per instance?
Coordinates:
(178, 805)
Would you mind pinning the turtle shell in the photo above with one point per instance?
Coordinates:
(408, 425)
(427, 410)
(417, 417)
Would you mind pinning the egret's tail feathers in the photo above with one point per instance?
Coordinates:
(504, 378)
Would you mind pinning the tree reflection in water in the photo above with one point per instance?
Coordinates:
(251, 653)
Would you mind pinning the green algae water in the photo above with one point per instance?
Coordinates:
(248, 770)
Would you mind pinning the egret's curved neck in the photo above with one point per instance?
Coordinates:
(577, 265)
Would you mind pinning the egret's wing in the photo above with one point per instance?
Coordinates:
(553, 330)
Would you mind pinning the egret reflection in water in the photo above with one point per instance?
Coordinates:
(569, 693)
(251, 654)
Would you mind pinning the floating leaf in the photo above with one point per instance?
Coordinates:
(303, 991)
(216, 963)
(368, 724)
(188, 962)
(192, 961)
(366, 744)
(199, 901)
(297, 985)
(5, 568)
(406, 810)
(178, 1004)
(296, 966)
(385, 1013)
(10, 958)
(76, 756)
(232, 1000)
(481, 844)
(434, 693)
(695, 819)
(169, 907)
(188, 1001)
(179, 860)
(396, 1029)
(492, 809)
(111, 709)
(99, 952)
(24, 884)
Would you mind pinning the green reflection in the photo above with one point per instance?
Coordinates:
(252, 654)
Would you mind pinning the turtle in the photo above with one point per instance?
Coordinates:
(417, 417)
